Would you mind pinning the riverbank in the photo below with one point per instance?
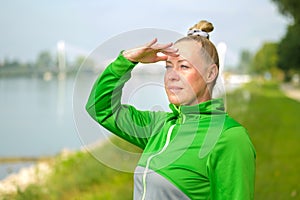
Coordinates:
(265, 111)
(34, 174)
(73, 175)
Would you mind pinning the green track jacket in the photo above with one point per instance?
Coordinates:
(193, 152)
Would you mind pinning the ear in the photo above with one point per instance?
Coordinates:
(212, 73)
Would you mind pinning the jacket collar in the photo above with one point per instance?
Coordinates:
(213, 106)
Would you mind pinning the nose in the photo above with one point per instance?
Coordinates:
(172, 75)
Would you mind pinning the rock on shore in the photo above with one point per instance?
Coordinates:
(34, 174)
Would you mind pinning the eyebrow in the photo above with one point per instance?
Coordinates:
(168, 61)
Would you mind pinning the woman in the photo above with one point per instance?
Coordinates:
(196, 151)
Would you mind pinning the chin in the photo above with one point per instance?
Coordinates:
(175, 101)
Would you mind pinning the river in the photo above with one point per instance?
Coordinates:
(37, 116)
(36, 119)
(42, 118)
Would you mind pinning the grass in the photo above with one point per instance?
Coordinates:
(273, 123)
(81, 176)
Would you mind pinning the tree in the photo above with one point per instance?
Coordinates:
(86, 63)
(245, 61)
(45, 60)
(289, 46)
(290, 8)
(289, 51)
(266, 58)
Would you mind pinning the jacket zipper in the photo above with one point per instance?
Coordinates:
(154, 155)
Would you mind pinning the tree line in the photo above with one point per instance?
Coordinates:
(280, 59)
(44, 63)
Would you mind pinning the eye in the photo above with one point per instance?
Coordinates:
(168, 66)
(184, 66)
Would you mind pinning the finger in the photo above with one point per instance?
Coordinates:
(164, 56)
(162, 46)
(161, 57)
(171, 51)
(172, 54)
(149, 44)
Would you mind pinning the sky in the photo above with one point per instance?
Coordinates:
(29, 27)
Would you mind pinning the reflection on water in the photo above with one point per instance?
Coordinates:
(37, 116)
(144, 91)
(9, 168)
(36, 119)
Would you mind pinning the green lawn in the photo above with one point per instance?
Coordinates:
(82, 177)
(273, 124)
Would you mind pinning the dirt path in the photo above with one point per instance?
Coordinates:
(291, 91)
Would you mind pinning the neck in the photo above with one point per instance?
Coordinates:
(205, 96)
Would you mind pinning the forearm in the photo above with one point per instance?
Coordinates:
(104, 105)
(105, 96)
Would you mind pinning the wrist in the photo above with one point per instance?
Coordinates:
(126, 54)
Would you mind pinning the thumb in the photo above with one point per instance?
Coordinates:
(161, 57)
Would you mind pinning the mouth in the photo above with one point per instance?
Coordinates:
(174, 89)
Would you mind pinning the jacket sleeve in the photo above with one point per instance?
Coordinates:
(104, 105)
(232, 166)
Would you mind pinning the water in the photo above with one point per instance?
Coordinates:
(9, 168)
(37, 116)
(144, 91)
(36, 119)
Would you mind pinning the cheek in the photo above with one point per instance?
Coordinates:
(165, 77)
(166, 80)
(195, 82)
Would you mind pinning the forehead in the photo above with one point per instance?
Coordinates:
(188, 50)
(187, 46)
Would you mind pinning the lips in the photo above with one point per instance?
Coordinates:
(174, 89)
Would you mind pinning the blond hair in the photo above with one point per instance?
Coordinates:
(203, 25)
(208, 49)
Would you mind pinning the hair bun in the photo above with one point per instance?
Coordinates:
(204, 26)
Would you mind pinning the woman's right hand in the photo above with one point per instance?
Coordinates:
(151, 52)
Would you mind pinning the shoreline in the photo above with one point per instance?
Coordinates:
(36, 173)
(42, 167)
(13, 159)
